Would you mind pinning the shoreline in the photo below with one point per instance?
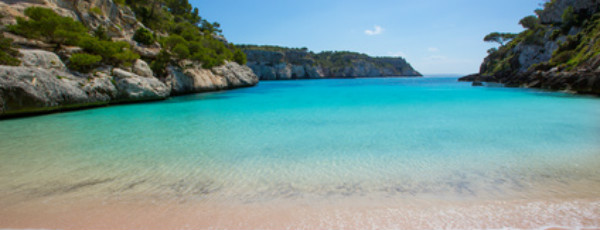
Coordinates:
(49, 111)
(355, 213)
(14, 116)
(565, 82)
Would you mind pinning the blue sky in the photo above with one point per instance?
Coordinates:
(435, 36)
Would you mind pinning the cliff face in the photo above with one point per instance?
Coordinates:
(560, 52)
(43, 83)
(285, 64)
(120, 22)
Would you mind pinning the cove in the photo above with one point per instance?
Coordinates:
(315, 153)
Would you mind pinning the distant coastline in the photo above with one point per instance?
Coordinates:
(282, 63)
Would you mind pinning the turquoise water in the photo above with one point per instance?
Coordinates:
(391, 138)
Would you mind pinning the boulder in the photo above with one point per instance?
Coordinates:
(41, 59)
(236, 75)
(194, 79)
(132, 87)
(140, 67)
(101, 87)
(27, 90)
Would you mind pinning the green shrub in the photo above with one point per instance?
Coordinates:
(126, 57)
(182, 51)
(208, 59)
(240, 57)
(173, 40)
(159, 65)
(46, 25)
(530, 22)
(101, 34)
(8, 54)
(96, 10)
(143, 36)
(115, 53)
(83, 62)
(195, 47)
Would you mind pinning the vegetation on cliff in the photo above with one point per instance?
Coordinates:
(8, 54)
(566, 43)
(282, 63)
(578, 48)
(177, 26)
(46, 25)
(189, 35)
(558, 50)
(332, 60)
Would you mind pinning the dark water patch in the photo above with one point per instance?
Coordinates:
(463, 187)
(131, 185)
(188, 188)
(347, 189)
(61, 189)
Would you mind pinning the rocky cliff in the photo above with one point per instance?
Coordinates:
(43, 83)
(278, 63)
(559, 50)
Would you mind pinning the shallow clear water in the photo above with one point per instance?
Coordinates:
(392, 138)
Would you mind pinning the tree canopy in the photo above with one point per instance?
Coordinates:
(46, 25)
(499, 38)
(188, 36)
(530, 22)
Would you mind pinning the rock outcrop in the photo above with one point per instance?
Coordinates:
(194, 79)
(120, 22)
(43, 83)
(553, 11)
(560, 53)
(285, 64)
(49, 86)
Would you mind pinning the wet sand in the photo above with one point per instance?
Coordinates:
(348, 213)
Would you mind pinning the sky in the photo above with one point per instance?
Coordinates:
(434, 36)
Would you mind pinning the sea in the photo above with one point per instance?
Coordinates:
(372, 153)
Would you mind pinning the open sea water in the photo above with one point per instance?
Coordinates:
(387, 141)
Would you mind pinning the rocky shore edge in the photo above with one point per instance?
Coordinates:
(577, 82)
(43, 84)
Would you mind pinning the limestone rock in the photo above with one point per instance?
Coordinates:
(25, 42)
(140, 89)
(132, 87)
(140, 67)
(193, 79)
(121, 73)
(26, 90)
(41, 59)
(300, 64)
(145, 51)
(30, 90)
(236, 75)
(101, 87)
(119, 21)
